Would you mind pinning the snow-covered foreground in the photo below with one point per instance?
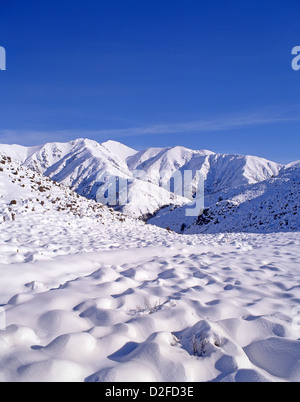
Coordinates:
(87, 294)
(85, 302)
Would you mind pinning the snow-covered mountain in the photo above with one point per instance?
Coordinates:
(220, 171)
(24, 192)
(41, 219)
(77, 164)
(268, 206)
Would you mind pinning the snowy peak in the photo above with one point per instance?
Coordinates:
(230, 171)
(164, 158)
(258, 169)
(220, 171)
(18, 152)
(119, 150)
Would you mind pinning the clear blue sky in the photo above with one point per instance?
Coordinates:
(208, 74)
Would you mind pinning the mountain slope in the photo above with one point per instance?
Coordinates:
(24, 192)
(268, 206)
(220, 171)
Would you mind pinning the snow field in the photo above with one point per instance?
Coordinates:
(87, 294)
(204, 312)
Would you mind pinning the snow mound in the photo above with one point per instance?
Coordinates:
(192, 308)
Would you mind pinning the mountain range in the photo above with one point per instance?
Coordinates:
(78, 164)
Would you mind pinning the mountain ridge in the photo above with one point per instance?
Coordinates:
(77, 164)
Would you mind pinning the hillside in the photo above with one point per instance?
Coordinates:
(28, 199)
(268, 206)
(24, 191)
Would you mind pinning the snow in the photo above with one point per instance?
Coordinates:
(121, 151)
(77, 164)
(144, 199)
(88, 294)
(267, 206)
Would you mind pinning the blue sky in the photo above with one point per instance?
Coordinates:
(203, 74)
